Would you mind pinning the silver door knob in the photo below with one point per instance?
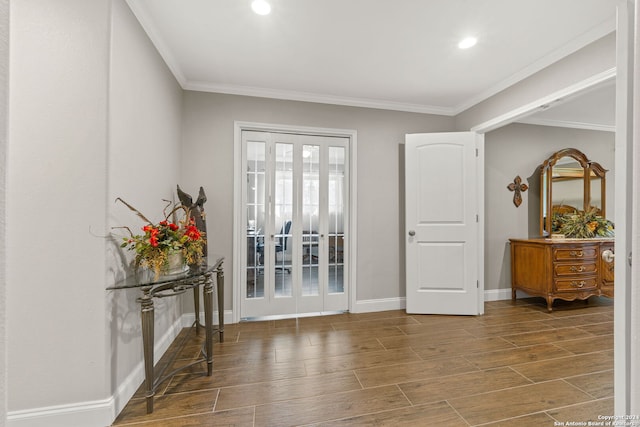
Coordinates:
(412, 233)
(608, 256)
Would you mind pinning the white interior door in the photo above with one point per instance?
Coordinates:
(444, 251)
(294, 197)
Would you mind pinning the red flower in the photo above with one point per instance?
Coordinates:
(192, 232)
(165, 223)
(173, 227)
(153, 232)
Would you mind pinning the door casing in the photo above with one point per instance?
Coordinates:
(239, 229)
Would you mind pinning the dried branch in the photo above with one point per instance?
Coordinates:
(144, 218)
(126, 228)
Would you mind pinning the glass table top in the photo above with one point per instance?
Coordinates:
(146, 277)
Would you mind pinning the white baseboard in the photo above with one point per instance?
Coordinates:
(98, 413)
(133, 380)
(497, 294)
(383, 304)
(128, 387)
(367, 306)
(189, 318)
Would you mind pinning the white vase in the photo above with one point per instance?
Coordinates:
(175, 264)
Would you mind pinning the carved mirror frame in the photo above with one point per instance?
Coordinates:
(590, 169)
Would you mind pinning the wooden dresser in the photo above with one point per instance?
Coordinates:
(567, 269)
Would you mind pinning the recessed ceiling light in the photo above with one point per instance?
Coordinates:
(467, 42)
(261, 7)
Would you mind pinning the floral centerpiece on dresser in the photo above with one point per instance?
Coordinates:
(582, 224)
(168, 245)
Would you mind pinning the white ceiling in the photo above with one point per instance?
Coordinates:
(392, 54)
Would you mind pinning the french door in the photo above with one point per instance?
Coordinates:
(295, 212)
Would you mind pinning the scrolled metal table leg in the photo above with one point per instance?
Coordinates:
(147, 317)
(196, 307)
(208, 320)
(220, 285)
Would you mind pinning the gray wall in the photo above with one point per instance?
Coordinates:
(4, 84)
(95, 114)
(103, 102)
(56, 181)
(145, 119)
(208, 131)
(518, 149)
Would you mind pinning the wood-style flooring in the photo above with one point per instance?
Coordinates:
(517, 365)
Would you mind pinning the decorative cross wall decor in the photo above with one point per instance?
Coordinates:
(517, 187)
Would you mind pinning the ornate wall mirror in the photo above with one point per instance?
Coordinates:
(570, 183)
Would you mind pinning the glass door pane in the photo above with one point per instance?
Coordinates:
(282, 217)
(294, 195)
(310, 219)
(255, 218)
(336, 220)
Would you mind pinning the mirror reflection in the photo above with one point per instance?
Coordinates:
(572, 187)
(567, 178)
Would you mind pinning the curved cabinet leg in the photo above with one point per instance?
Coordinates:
(550, 304)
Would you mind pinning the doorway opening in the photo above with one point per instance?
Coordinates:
(293, 234)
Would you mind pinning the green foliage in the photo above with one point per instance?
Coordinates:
(153, 247)
(583, 224)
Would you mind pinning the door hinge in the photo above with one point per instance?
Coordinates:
(478, 284)
(476, 152)
(477, 218)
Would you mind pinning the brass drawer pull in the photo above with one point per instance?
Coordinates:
(576, 253)
(578, 284)
(577, 269)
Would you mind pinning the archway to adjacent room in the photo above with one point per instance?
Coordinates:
(624, 385)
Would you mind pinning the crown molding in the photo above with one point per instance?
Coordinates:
(544, 102)
(568, 124)
(142, 15)
(317, 98)
(574, 45)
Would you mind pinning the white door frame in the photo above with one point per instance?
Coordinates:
(239, 229)
(625, 387)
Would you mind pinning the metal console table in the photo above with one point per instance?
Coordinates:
(172, 285)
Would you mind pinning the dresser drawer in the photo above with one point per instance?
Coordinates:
(576, 284)
(568, 254)
(575, 269)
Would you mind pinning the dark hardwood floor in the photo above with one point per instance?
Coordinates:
(517, 365)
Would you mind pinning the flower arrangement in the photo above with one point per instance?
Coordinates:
(582, 224)
(160, 240)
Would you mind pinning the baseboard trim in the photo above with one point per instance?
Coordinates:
(383, 304)
(128, 387)
(98, 413)
(189, 318)
(497, 294)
